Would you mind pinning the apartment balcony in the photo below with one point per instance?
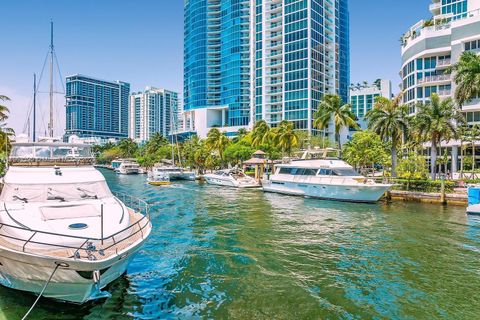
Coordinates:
(275, 54)
(444, 63)
(445, 93)
(275, 91)
(435, 79)
(435, 8)
(274, 63)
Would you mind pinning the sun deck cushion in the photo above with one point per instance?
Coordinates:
(69, 212)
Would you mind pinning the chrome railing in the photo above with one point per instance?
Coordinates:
(89, 243)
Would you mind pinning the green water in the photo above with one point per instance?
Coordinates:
(241, 254)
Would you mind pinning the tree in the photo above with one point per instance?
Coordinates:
(389, 120)
(127, 147)
(332, 106)
(365, 150)
(436, 121)
(285, 137)
(4, 111)
(217, 141)
(5, 132)
(238, 152)
(462, 132)
(473, 135)
(467, 77)
(261, 134)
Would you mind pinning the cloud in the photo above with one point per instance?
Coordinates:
(21, 105)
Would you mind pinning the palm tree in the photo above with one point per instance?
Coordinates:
(332, 106)
(285, 137)
(389, 120)
(261, 133)
(3, 109)
(217, 141)
(467, 77)
(462, 132)
(473, 136)
(128, 147)
(436, 121)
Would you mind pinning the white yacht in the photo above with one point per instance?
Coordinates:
(231, 178)
(126, 166)
(160, 171)
(328, 178)
(60, 221)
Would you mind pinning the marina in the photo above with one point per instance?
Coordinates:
(241, 253)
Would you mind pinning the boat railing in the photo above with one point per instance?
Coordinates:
(108, 243)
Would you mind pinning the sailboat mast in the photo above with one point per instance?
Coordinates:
(34, 106)
(50, 124)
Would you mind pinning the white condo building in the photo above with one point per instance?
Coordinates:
(151, 111)
(430, 46)
(362, 98)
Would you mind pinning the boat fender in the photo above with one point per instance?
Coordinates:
(96, 276)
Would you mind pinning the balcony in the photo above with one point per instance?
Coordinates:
(445, 93)
(436, 78)
(444, 63)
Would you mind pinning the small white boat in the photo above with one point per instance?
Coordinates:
(126, 166)
(328, 178)
(160, 179)
(473, 199)
(231, 178)
(159, 171)
(59, 219)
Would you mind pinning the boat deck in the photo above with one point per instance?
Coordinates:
(91, 249)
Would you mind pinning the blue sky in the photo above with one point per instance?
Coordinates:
(141, 42)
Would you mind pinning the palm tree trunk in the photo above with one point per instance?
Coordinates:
(337, 136)
(433, 160)
(461, 159)
(394, 160)
(473, 159)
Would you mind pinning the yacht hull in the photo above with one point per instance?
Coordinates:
(219, 181)
(349, 193)
(74, 280)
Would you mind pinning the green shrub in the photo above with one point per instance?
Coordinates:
(423, 185)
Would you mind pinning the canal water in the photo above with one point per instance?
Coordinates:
(241, 254)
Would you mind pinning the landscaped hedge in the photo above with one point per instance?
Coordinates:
(423, 185)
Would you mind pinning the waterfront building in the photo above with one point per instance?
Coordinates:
(217, 65)
(96, 108)
(362, 98)
(300, 51)
(430, 46)
(154, 110)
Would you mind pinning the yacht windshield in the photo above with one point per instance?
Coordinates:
(59, 192)
(345, 172)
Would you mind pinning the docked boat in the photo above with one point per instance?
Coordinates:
(159, 179)
(473, 199)
(126, 166)
(231, 178)
(327, 178)
(172, 173)
(60, 225)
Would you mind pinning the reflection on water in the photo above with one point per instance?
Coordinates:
(225, 253)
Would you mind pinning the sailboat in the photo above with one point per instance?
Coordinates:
(162, 174)
(63, 233)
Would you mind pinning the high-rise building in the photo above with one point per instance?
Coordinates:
(300, 51)
(246, 60)
(362, 98)
(96, 108)
(154, 110)
(430, 46)
(217, 64)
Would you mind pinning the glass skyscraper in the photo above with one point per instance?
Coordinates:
(96, 108)
(217, 58)
(264, 59)
(301, 52)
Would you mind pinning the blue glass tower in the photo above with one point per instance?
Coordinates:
(217, 58)
(96, 108)
(301, 53)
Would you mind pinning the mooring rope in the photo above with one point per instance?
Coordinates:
(41, 293)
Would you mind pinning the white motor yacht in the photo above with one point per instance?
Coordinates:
(231, 178)
(328, 178)
(59, 219)
(160, 171)
(126, 166)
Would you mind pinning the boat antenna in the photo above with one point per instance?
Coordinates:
(50, 123)
(34, 105)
